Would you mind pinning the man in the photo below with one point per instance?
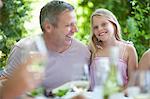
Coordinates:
(66, 56)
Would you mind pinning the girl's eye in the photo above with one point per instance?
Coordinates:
(95, 27)
(104, 24)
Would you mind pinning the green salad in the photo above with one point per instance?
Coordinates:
(36, 92)
(61, 92)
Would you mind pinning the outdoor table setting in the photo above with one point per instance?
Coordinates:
(104, 84)
(91, 95)
(79, 90)
(138, 88)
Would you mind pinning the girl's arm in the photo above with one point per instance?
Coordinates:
(132, 60)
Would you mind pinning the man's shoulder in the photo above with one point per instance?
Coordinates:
(82, 49)
(78, 43)
(29, 39)
(80, 46)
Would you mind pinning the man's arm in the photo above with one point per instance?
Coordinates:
(16, 58)
(11, 89)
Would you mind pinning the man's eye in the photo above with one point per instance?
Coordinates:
(67, 25)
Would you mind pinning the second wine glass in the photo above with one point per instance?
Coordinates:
(80, 82)
(36, 51)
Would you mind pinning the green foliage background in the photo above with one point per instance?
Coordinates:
(133, 16)
(12, 17)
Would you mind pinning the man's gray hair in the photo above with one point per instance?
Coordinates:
(52, 10)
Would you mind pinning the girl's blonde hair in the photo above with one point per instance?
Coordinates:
(111, 17)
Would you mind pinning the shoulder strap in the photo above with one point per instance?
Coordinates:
(123, 51)
(124, 48)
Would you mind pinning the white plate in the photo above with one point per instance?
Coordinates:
(87, 95)
(70, 85)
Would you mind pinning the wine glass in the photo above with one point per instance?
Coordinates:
(101, 68)
(101, 71)
(139, 85)
(80, 83)
(36, 51)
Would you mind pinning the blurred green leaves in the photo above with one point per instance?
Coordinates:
(138, 25)
(12, 17)
(133, 16)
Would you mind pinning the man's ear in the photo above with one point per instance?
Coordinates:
(47, 27)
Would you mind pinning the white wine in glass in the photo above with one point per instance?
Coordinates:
(81, 83)
(37, 52)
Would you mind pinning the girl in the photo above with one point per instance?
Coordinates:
(106, 33)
